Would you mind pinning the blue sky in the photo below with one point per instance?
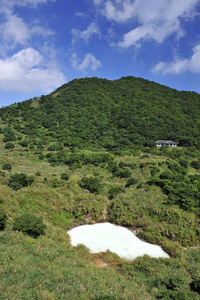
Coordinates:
(46, 43)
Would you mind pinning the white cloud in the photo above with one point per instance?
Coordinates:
(80, 14)
(97, 2)
(85, 34)
(26, 72)
(89, 62)
(32, 3)
(14, 31)
(178, 66)
(152, 19)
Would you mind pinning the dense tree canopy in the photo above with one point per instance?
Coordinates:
(114, 114)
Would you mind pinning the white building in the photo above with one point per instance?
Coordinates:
(169, 143)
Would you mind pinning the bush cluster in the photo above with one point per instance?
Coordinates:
(92, 184)
(17, 181)
(29, 224)
(64, 176)
(113, 192)
(130, 182)
(122, 173)
(9, 145)
(7, 166)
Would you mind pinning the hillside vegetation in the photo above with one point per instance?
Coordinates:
(95, 113)
(86, 154)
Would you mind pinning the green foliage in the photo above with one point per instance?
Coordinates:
(3, 220)
(55, 147)
(92, 112)
(181, 189)
(122, 173)
(131, 181)
(120, 212)
(24, 143)
(17, 181)
(41, 156)
(113, 192)
(64, 176)
(29, 224)
(195, 164)
(183, 162)
(9, 137)
(92, 184)
(7, 166)
(195, 285)
(9, 145)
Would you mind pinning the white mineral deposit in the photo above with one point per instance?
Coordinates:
(105, 236)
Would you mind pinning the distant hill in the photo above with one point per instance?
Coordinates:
(93, 112)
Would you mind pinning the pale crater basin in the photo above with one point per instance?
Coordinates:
(101, 237)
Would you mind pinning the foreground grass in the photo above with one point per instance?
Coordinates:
(49, 268)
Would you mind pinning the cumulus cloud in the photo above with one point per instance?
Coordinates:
(14, 31)
(26, 72)
(89, 62)
(85, 34)
(152, 19)
(178, 66)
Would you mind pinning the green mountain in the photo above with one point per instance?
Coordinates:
(84, 154)
(117, 114)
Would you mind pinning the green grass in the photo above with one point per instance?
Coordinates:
(50, 268)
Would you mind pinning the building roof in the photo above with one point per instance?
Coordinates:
(166, 142)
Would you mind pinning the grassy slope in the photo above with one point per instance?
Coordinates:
(49, 268)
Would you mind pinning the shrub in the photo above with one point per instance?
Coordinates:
(29, 224)
(9, 145)
(121, 164)
(24, 143)
(64, 176)
(7, 166)
(9, 137)
(114, 192)
(183, 162)
(3, 220)
(154, 171)
(130, 182)
(195, 285)
(92, 184)
(195, 164)
(2, 174)
(122, 173)
(55, 183)
(172, 248)
(17, 181)
(55, 147)
(41, 156)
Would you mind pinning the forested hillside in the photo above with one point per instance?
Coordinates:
(117, 114)
(86, 154)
